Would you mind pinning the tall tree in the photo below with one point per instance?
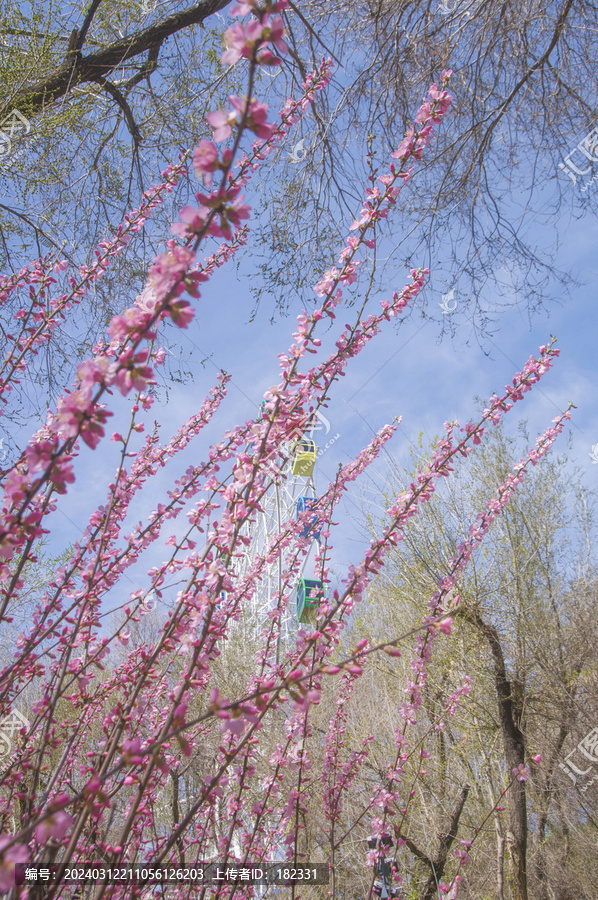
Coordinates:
(525, 624)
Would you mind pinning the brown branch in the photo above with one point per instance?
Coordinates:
(446, 842)
(414, 848)
(510, 710)
(437, 865)
(313, 33)
(501, 110)
(508, 707)
(127, 112)
(18, 32)
(78, 69)
(40, 234)
(86, 23)
(150, 65)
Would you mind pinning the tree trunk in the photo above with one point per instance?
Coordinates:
(509, 713)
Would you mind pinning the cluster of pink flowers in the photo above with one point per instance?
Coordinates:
(136, 722)
(337, 775)
(250, 40)
(455, 699)
(521, 772)
(47, 311)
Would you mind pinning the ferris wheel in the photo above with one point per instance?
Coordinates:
(292, 492)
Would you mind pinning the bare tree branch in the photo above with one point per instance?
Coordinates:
(543, 60)
(77, 69)
(445, 845)
(127, 112)
(86, 23)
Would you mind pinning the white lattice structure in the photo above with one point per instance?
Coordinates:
(279, 506)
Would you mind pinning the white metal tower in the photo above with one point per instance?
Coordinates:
(279, 506)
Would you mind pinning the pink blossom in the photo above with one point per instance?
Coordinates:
(266, 58)
(272, 32)
(181, 313)
(256, 115)
(18, 853)
(62, 473)
(97, 370)
(521, 772)
(275, 34)
(16, 484)
(371, 857)
(237, 45)
(93, 786)
(230, 208)
(404, 148)
(54, 826)
(192, 221)
(222, 123)
(170, 270)
(180, 715)
(234, 726)
(326, 282)
(132, 321)
(131, 372)
(205, 159)
(147, 300)
(446, 625)
(234, 212)
(244, 40)
(39, 454)
(304, 701)
(243, 8)
(77, 414)
(40, 706)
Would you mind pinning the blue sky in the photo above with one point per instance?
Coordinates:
(405, 371)
(428, 371)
